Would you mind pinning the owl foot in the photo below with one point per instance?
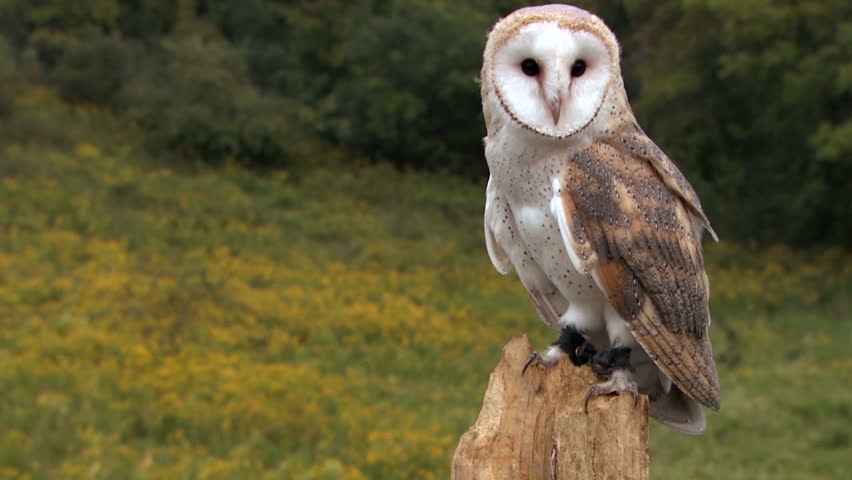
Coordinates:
(549, 360)
(615, 364)
(572, 342)
(605, 363)
(620, 381)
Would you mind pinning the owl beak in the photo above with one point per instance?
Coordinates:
(556, 109)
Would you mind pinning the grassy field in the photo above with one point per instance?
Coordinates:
(168, 324)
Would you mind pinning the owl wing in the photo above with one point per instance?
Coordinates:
(630, 219)
(496, 253)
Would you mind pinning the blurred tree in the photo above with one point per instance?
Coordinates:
(409, 93)
(92, 70)
(147, 19)
(13, 25)
(74, 16)
(56, 25)
(8, 78)
(198, 102)
(74, 43)
(751, 99)
(396, 80)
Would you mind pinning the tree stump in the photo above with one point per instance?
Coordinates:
(533, 426)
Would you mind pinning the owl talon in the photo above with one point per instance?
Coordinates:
(548, 360)
(534, 358)
(604, 363)
(619, 382)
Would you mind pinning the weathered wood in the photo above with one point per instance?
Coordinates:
(533, 427)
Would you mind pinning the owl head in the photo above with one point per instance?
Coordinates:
(551, 69)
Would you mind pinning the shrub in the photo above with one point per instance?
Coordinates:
(91, 71)
(198, 103)
(8, 78)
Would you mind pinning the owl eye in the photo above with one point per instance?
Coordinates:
(579, 68)
(529, 67)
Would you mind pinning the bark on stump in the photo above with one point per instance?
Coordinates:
(534, 427)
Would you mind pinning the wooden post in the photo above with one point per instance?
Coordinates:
(533, 427)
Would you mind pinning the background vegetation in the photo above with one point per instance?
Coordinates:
(243, 239)
(752, 98)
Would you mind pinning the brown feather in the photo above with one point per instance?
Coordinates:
(638, 144)
(631, 214)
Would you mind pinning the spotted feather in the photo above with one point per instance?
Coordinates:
(637, 223)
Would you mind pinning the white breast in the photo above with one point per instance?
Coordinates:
(527, 230)
(539, 232)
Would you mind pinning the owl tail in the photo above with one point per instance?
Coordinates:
(678, 411)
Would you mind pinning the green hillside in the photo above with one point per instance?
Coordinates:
(328, 323)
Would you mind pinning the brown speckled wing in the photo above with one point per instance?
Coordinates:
(635, 142)
(637, 226)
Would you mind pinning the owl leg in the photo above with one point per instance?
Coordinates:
(614, 364)
(570, 341)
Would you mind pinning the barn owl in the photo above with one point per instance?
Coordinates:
(602, 228)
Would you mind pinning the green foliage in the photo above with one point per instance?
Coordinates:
(12, 26)
(372, 73)
(74, 16)
(408, 93)
(92, 71)
(8, 78)
(751, 117)
(56, 27)
(147, 19)
(752, 99)
(200, 105)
